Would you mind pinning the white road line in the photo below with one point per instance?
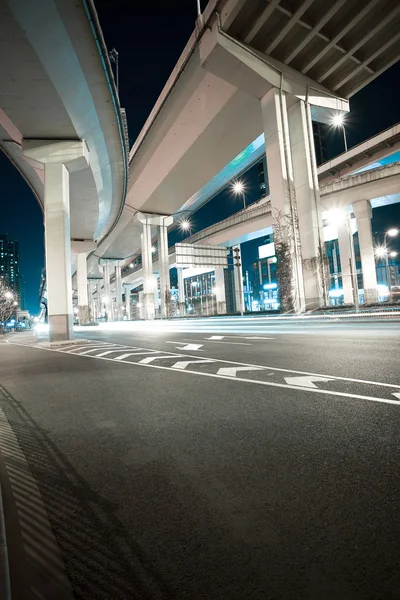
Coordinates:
(215, 337)
(182, 364)
(250, 381)
(107, 352)
(237, 363)
(215, 342)
(123, 356)
(232, 371)
(396, 395)
(307, 381)
(149, 359)
(256, 337)
(93, 350)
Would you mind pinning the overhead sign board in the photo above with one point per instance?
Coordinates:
(200, 255)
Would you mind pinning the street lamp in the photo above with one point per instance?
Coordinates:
(238, 188)
(8, 295)
(392, 232)
(338, 216)
(185, 225)
(338, 121)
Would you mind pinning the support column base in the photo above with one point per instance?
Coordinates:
(221, 308)
(83, 315)
(370, 296)
(148, 308)
(61, 328)
(182, 309)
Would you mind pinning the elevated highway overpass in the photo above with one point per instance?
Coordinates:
(248, 81)
(62, 127)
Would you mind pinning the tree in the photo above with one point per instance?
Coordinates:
(7, 304)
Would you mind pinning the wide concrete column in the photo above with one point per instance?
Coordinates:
(220, 290)
(59, 159)
(162, 222)
(80, 248)
(345, 258)
(238, 278)
(283, 201)
(363, 213)
(181, 292)
(307, 200)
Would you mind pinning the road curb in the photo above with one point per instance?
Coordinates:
(5, 586)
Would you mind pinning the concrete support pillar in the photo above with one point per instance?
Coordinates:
(181, 293)
(345, 252)
(148, 308)
(83, 300)
(238, 277)
(162, 222)
(220, 290)
(118, 291)
(98, 299)
(128, 288)
(283, 201)
(164, 269)
(106, 300)
(307, 200)
(55, 155)
(363, 213)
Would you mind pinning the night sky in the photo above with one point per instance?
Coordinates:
(149, 41)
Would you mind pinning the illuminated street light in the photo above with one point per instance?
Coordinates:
(185, 225)
(131, 265)
(392, 232)
(337, 217)
(8, 295)
(239, 189)
(393, 254)
(380, 251)
(153, 249)
(338, 122)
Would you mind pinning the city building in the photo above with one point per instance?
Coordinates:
(9, 267)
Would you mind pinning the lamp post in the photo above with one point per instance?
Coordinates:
(393, 232)
(342, 217)
(338, 121)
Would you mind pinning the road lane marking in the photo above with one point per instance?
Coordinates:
(215, 337)
(396, 395)
(107, 352)
(182, 364)
(256, 337)
(231, 371)
(250, 381)
(307, 381)
(187, 347)
(92, 350)
(215, 342)
(149, 359)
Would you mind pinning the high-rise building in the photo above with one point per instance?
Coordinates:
(9, 267)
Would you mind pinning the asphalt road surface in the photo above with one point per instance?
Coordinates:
(210, 459)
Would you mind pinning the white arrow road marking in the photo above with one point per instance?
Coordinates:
(182, 364)
(149, 359)
(396, 395)
(305, 381)
(231, 371)
(215, 337)
(187, 347)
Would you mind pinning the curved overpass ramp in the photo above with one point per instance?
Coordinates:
(59, 105)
